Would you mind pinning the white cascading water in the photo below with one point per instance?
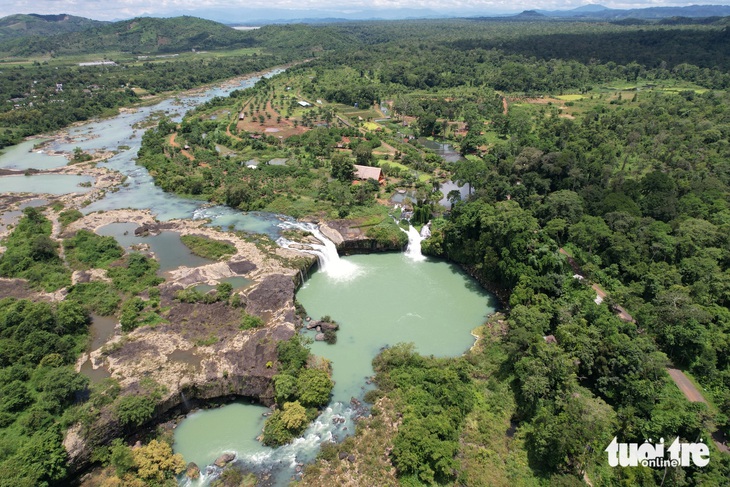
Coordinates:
(413, 250)
(280, 464)
(426, 230)
(326, 252)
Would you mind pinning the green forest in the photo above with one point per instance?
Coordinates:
(608, 162)
(597, 162)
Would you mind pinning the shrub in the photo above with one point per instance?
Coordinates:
(250, 321)
(330, 337)
(138, 274)
(292, 354)
(69, 216)
(285, 424)
(134, 410)
(95, 297)
(285, 387)
(387, 235)
(207, 247)
(130, 314)
(89, 249)
(315, 387)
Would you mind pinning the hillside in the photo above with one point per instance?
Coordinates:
(141, 35)
(22, 25)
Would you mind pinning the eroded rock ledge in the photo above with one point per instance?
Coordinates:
(201, 353)
(352, 239)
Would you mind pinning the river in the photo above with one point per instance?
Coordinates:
(123, 135)
(378, 299)
(390, 298)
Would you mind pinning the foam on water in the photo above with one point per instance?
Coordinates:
(326, 252)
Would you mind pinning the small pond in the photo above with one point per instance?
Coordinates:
(45, 183)
(22, 156)
(237, 282)
(169, 250)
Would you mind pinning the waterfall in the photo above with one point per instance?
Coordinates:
(185, 401)
(280, 465)
(413, 250)
(326, 252)
(426, 230)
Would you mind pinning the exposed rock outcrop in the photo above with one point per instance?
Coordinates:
(270, 295)
(350, 238)
(199, 353)
(225, 459)
(192, 471)
(234, 367)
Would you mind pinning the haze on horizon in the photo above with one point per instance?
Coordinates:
(239, 11)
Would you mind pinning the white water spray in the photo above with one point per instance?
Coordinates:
(426, 230)
(413, 250)
(326, 252)
(280, 464)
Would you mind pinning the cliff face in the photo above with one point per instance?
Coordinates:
(199, 352)
(241, 365)
(351, 239)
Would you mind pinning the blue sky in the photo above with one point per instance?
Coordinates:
(237, 9)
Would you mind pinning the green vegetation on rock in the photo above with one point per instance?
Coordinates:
(208, 247)
(299, 391)
(87, 249)
(31, 253)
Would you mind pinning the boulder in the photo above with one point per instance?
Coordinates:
(275, 292)
(326, 325)
(342, 455)
(319, 337)
(192, 471)
(224, 459)
(147, 229)
(242, 267)
(351, 458)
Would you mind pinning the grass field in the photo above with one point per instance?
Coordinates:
(574, 97)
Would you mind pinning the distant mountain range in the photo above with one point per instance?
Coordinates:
(30, 34)
(22, 25)
(593, 11)
(141, 35)
(260, 16)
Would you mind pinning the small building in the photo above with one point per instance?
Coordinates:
(363, 173)
(304, 103)
(241, 116)
(99, 63)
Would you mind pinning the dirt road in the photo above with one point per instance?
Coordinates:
(683, 383)
(686, 386)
